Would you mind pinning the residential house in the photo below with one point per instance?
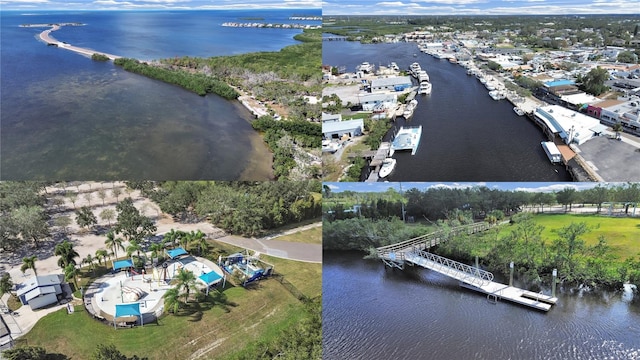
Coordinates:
(40, 291)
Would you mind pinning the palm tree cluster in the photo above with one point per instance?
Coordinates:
(185, 283)
(185, 239)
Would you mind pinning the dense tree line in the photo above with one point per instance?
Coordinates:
(199, 83)
(294, 132)
(22, 215)
(245, 208)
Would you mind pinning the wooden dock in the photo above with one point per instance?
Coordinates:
(376, 162)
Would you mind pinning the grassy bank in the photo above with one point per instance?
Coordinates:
(621, 233)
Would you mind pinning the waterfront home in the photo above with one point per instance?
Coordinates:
(396, 83)
(338, 129)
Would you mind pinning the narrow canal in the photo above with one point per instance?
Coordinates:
(370, 312)
(467, 136)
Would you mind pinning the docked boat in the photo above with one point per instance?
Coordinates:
(394, 66)
(409, 109)
(414, 69)
(425, 88)
(552, 151)
(497, 95)
(407, 138)
(518, 111)
(423, 76)
(365, 67)
(387, 167)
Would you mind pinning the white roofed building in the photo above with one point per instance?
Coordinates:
(571, 126)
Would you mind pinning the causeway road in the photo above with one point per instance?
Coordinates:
(47, 38)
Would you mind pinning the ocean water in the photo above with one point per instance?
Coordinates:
(64, 117)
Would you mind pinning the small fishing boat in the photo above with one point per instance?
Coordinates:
(387, 167)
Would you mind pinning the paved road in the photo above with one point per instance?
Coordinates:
(46, 37)
(281, 249)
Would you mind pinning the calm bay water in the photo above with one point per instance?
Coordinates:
(370, 312)
(466, 135)
(65, 117)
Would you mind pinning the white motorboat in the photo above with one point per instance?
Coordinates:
(387, 167)
(414, 69)
(365, 67)
(423, 76)
(394, 66)
(518, 111)
(408, 111)
(425, 88)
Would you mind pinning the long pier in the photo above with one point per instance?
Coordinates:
(50, 40)
(412, 252)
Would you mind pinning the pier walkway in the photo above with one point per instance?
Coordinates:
(412, 253)
(47, 38)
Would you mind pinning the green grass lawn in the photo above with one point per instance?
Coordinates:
(310, 236)
(222, 324)
(622, 234)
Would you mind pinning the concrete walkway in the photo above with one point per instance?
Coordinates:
(281, 249)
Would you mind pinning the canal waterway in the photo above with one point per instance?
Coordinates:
(466, 135)
(370, 312)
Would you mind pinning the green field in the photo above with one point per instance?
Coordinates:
(221, 325)
(310, 236)
(622, 234)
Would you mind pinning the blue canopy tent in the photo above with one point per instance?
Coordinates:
(176, 252)
(211, 278)
(132, 309)
(122, 264)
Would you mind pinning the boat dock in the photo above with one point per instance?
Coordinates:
(376, 162)
(413, 252)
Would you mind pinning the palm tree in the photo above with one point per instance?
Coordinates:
(185, 281)
(172, 300)
(156, 249)
(67, 254)
(113, 243)
(71, 273)
(171, 237)
(134, 246)
(29, 262)
(101, 254)
(108, 215)
(89, 260)
(199, 239)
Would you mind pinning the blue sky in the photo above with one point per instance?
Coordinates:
(157, 4)
(479, 7)
(521, 186)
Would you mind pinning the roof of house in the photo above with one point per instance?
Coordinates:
(391, 81)
(38, 281)
(44, 290)
(342, 126)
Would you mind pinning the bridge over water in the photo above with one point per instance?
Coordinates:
(413, 252)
